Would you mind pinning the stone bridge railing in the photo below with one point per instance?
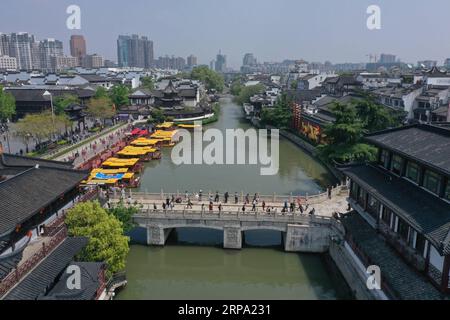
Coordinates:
(301, 232)
(273, 198)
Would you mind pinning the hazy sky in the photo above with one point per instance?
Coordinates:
(315, 30)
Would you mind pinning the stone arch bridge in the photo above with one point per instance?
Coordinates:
(302, 232)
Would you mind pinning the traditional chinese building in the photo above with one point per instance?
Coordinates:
(34, 247)
(404, 197)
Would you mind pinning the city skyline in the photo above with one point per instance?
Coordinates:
(237, 27)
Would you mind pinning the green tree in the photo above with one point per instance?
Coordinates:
(158, 116)
(247, 92)
(105, 232)
(119, 95)
(7, 105)
(42, 125)
(210, 78)
(280, 116)
(147, 83)
(294, 85)
(125, 215)
(62, 102)
(236, 87)
(101, 92)
(101, 108)
(374, 117)
(344, 137)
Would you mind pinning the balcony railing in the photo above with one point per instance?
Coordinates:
(16, 276)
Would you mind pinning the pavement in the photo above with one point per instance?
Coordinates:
(16, 144)
(326, 208)
(90, 149)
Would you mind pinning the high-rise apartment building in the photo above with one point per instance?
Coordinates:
(77, 46)
(387, 58)
(174, 63)
(92, 61)
(249, 60)
(49, 48)
(192, 61)
(134, 51)
(221, 62)
(63, 62)
(20, 47)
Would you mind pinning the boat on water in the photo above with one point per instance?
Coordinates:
(188, 126)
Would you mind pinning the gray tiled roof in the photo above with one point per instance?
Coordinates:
(426, 213)
(427, 144)
(10, 160)
(89, 284)
(405, 282)
(9, 261)
(28, 192)
(39, 280)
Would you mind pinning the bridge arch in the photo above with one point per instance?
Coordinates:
(271, 228)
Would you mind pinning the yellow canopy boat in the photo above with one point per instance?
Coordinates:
(165, 125)
(188, 126)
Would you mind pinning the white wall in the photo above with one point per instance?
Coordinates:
(436, 259)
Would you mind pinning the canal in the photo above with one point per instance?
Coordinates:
(193, 265)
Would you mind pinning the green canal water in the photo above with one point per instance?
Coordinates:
(193, 264)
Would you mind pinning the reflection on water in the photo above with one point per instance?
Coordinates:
(193, 265)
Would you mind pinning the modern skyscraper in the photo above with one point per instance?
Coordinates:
(174, 63)
(191, 61)
(4, 44)
(77, 46)
(221, 62)
(387, 58)
(134, 51)
(92, 61)
(49, 48)
(20, 47)
(249, 60)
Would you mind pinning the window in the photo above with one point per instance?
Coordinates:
(412, 172)
(397, 164)
(384, 158)
(386, 216)
(372, 206)
(432, 181)
(420, 244)
(447, 191)
(403, 229)
(354, 191)
(361, 197)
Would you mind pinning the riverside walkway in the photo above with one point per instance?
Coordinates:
(87, 149)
